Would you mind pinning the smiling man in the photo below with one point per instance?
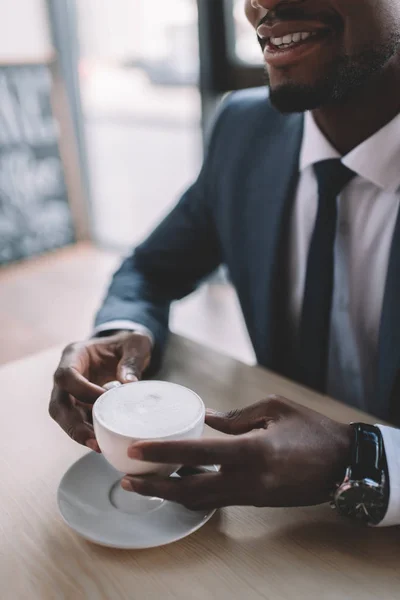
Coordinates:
(299, 196)
(339, 48)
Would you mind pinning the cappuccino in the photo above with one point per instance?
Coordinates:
(146, 410)
(149, 409)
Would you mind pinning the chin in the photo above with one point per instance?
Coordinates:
(298, 98)
(289, 95)
(308, 91)
(341, 79)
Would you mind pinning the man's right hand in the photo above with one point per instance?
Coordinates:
(84, 369)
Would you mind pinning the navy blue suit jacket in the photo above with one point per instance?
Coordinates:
(237, 213)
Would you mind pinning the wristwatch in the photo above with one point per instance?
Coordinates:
(364, 493)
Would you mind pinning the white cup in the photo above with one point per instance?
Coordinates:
(147, 396)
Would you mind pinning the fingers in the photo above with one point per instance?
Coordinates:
(230, 451)
(68, 379)
(129, 370)
(93, 445)
(69, 375)
(256, 416)
(184, 491)
(71, 420)
(196, 492)
(135, 359)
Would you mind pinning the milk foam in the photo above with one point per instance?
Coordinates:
(149, 409)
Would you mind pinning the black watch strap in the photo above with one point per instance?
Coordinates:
(368, 456)
(364, 493)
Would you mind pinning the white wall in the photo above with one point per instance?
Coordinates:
(24, 31)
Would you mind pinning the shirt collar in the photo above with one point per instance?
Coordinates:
(377, 159)
(315, 146)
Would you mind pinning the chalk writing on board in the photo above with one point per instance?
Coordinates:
(34, 210)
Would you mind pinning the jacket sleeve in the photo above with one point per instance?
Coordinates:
(181, 251)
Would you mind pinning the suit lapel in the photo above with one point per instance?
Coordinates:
(271, 201)
(389, 338)
(273, 171)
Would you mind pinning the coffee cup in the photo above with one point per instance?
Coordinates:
(145, 411)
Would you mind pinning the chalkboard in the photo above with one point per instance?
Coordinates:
(34, 211)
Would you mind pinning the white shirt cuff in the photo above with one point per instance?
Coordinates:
(129, 325)
(391, 440)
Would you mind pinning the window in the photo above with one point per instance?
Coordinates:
(246, 48)
(139, 65)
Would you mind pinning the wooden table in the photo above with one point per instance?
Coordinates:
(243, 553)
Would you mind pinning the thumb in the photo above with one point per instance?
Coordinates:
(234, 422)
(130, 368)
(136, 355)
(255, 416)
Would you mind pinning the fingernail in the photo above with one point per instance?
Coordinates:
(135, 453)
(93, 445)
(126, 485)
(211, 412)
(131, 377)
(111, 385)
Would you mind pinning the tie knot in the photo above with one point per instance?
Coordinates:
(332, 176)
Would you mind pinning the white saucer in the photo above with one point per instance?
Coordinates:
(93, 504)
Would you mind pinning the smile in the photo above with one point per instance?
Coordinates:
(286, 43)
(291, 39)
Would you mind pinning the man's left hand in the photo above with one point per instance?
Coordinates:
(280, 454)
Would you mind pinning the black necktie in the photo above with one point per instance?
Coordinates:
(332, 177)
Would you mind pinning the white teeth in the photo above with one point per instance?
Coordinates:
(291, 38)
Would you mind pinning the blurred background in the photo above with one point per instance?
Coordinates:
(105, 111)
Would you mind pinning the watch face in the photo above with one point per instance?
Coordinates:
(361, 500)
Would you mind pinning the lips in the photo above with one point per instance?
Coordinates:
(288, 28)
(290, 39)
(286, 42)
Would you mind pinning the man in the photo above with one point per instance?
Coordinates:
(303, 209)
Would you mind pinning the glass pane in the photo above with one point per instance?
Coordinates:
(246, 47)
(138, 72)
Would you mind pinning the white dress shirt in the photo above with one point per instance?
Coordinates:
(367, 213)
